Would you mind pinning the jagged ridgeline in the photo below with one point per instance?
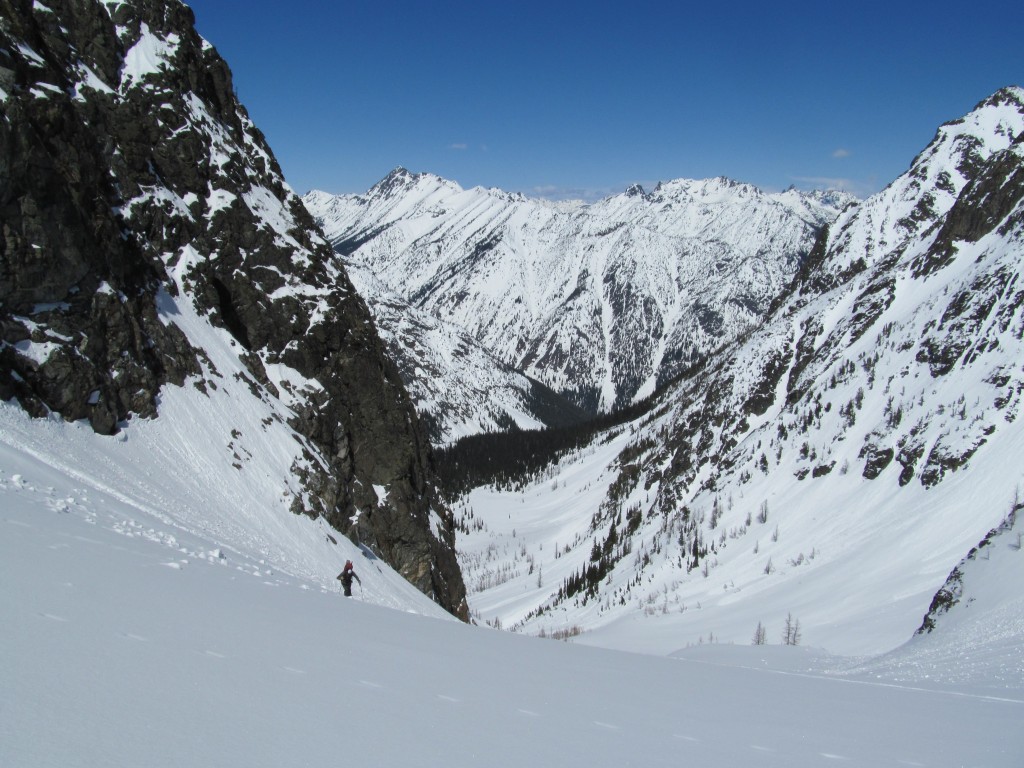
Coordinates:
(134, 181)
(601, 302)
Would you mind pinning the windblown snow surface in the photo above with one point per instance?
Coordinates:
(159, 610)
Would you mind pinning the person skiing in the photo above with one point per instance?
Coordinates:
(345, 577)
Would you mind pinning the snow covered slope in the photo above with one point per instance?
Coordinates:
(600, 302)
(973, 629)
(131, 641)
(458, 387)
(832, 467)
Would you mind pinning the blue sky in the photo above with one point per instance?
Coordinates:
(581, 99)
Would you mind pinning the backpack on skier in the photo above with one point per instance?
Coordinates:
(345, 577)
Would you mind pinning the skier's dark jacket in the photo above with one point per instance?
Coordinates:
(346, 576)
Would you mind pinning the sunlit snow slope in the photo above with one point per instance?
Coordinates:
(129, 640)
(833, 467)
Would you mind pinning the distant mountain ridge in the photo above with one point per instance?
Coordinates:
(601, 302)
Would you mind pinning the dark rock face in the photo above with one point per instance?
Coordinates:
(70, 281)
(952, 591)
(877, 459)
(124, 180)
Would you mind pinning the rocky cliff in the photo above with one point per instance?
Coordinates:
(130, 173)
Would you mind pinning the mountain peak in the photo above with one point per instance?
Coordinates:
(923, 195)
(1010, 94)
(399, 178)
(997, 118)
(402, 180)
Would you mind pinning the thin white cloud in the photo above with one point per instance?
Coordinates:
(825, 182)
(587, 194)
(841, 152)
(458, 145)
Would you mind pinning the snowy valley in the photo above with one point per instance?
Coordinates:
(799, 544)
(832, 467)
(131, 639)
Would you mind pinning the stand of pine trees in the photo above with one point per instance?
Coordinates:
(509, 459)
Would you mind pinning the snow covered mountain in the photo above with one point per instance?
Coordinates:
(831, 467)
(458, 387)
(154, 265)
(184, 366)
(601, 302)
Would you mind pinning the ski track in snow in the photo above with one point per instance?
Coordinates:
(445, 692)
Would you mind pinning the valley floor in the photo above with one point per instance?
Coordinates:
(852, 591)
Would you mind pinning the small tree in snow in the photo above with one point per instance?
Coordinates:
(791, 631)
(716, 513)
(760, 635)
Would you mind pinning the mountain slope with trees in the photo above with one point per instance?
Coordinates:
(831, 466)
(459, 388)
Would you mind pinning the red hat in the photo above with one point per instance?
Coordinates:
(348, 565)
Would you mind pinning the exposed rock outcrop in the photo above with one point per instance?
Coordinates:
(130, 171)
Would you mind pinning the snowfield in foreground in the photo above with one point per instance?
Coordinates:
(131, 639)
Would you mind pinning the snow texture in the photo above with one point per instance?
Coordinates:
(131, 640)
